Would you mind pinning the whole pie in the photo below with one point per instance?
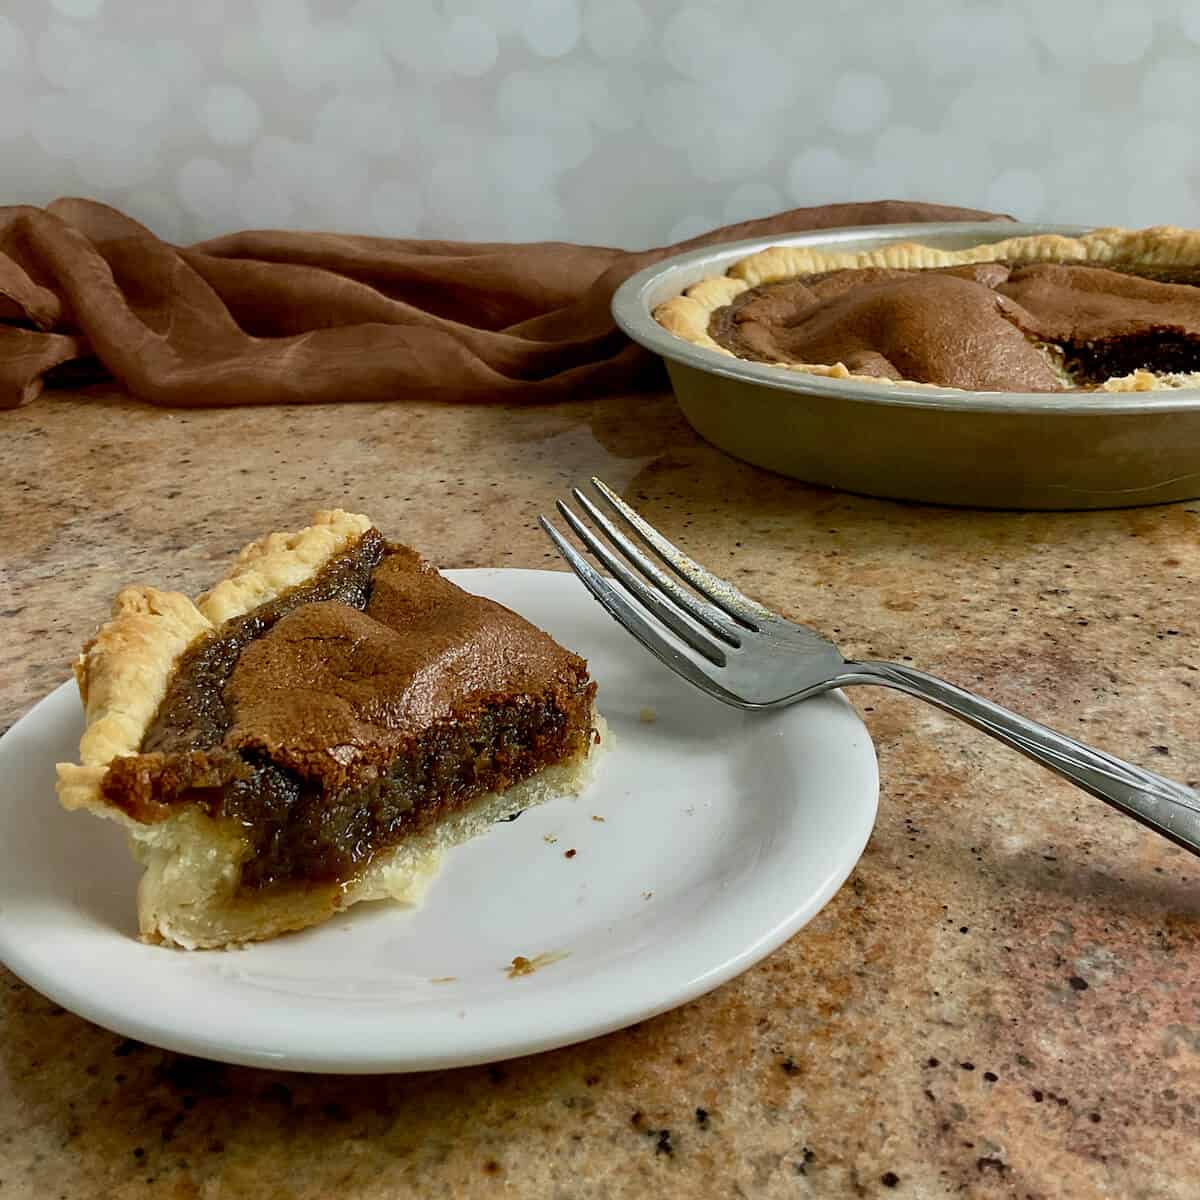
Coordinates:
(313, 730)
(1114, 310)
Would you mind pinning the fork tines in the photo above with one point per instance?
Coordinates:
(710, 620)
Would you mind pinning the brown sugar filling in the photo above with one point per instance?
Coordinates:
(313, 812)
(1004, 326)
(1164, 351)
(298, 832)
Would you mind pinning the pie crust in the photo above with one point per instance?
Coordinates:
(190, 894)
(1158, 248)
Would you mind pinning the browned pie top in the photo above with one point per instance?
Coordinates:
(330, 680)
(983, 326)
(337, 676)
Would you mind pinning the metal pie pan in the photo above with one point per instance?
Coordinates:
(1016, 450)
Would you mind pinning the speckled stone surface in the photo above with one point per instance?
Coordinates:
(1004, 999)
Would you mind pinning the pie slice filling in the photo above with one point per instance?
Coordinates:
(314, 729)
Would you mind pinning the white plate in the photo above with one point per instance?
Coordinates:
(722, 834)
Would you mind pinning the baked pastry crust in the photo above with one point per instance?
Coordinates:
(1160, 247)
(189, 895)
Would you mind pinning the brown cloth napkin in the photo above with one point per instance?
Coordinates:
(275, 318)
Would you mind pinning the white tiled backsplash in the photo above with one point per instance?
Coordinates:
(626, 122)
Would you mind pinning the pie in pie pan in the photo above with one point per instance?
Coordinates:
(314, 730)
(1112, 310)
(883, 430)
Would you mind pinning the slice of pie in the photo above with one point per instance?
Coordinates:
(314, 729)
(1114, 310)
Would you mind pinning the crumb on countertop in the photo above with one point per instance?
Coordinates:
(647, 715)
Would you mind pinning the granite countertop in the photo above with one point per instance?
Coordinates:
(1002, 1001)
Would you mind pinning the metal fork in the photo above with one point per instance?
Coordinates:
(747, 656)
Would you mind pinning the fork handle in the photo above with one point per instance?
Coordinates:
(1165, 806)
